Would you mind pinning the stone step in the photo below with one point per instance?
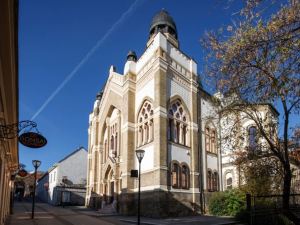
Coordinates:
(108, 210)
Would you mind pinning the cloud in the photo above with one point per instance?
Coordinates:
(87, 57)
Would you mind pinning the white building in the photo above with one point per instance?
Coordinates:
(69, 173)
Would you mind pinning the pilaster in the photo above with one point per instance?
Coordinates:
(160, 119)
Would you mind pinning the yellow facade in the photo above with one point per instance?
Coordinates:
(9, 158)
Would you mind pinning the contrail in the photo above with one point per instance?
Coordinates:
(86, 58)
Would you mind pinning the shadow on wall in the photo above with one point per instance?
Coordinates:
(95, 201)
(156, 204)
(68, 196)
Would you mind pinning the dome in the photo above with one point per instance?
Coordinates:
(131, 56)
(162, 21)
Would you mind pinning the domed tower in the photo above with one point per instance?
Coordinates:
(130, 64)
(164, 23)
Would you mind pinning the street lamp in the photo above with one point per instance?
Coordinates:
(140, 155)
(36, 164)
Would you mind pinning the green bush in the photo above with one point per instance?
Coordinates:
(227, 203)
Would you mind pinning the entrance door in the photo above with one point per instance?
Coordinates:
(112, 184)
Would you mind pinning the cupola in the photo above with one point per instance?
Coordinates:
(162, 22)
(130, 64)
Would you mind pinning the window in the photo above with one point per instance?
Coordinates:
(178, 124)
(215, 182)
(209, 180)
(210, 140)
(180, 176)
(145, 124)
(185, 177)
(212, 181)
(213, 142)
(228, 180)
(113, 140)
(116, 145)
(207, 138)
(184, 136)
(252, 138)
(175, 175)
(229, 183)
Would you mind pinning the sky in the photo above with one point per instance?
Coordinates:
(67, 47)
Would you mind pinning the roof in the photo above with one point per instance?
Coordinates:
(66, 157)
(73, 153)
(163, 18)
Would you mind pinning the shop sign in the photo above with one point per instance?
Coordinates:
(32, 140)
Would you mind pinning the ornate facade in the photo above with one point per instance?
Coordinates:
(157, 105)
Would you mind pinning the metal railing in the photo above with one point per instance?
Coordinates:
(265, 206)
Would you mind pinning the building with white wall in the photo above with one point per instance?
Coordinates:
(157, 104)
(69, 173)
(245, 138)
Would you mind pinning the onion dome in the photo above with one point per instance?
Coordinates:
(163, 22)
(131, 56)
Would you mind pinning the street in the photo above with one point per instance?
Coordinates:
(46, 214)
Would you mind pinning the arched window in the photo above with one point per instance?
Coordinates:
(175, 175)
(116, 145)
(185, 177)
(228, 180)
(151, 130)
(112, 142)
(209, 180)
(210, 140)
(207, 139)
(184, 136)
(178, 123)
(252, 138)
(213, 141)
(229, 183)
(145, 124)
(215, 182)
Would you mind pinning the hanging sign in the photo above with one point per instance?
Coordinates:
(32, 140)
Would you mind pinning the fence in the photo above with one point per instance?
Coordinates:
(266, 206)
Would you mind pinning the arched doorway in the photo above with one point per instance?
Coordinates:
(109, 186)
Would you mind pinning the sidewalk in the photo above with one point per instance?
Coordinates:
(49, 215)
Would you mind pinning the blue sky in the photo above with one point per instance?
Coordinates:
(55, 35)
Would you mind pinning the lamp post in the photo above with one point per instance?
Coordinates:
(140, 155)
(36, 164)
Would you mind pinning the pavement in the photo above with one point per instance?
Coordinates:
(46, 214)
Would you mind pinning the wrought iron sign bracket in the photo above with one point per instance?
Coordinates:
(12, 130)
